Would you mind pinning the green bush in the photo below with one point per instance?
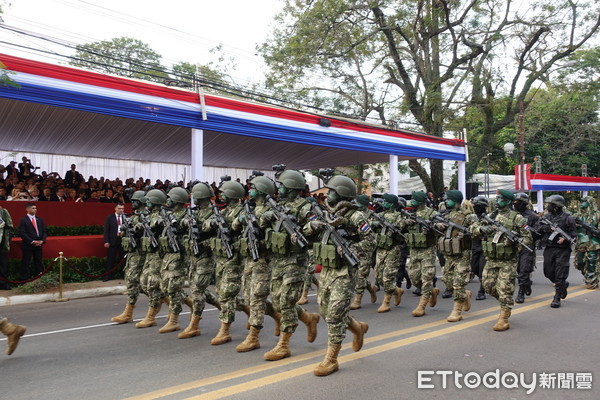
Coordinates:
(75, 230)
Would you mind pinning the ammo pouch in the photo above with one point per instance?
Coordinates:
(326, 255)
(383, 241)
(163, 245)
(454, 245)
(146, 246)
(279, 242)
(126, 244)
(244, 247)
(498, 251)
(216, 245)
(419, 240)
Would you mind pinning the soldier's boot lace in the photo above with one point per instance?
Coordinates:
(520, 295)
(502, 323)
(223, 335)
(304, 298)
(172, 324)
(456, 314)
(281, 349)
(193, 329)
(467, 303)
(310, 320)
(358, 329)
(356, 302)
(434, 295)
(251, 342)
(419, 311)
(150, 318)
(385, 304)
(126, 316)
(372, 292)
(398, 292)
(329, 364)
(13, 332)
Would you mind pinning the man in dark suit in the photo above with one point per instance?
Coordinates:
(73, 178)
(33, 233)
(26, 170)
(112, 238)
(59, 195)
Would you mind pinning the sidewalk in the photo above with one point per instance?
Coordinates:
(77, 290)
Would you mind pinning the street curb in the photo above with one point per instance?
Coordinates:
(72, 294)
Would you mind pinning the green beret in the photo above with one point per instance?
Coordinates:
(455, 195)
(363, 199)
(507, 194)
(390, 198)
(419, 197)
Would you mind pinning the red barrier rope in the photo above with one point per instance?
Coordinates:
(94, 276)
(44, 272)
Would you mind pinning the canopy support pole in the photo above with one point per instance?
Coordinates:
(197, 154)
(394, 174)
(540, 201)
(462, 177)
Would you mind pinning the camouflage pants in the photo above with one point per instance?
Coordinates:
(133, 272)
(457, 272)
(201, 270)
(586, 262)
(499, 280)
(310, 272)
(229, 283)
(422, 269)
(362, 274)
(386, 267)
(334, 297)
(256, 281)
(287, 280)
(173, 275)
(150, 279)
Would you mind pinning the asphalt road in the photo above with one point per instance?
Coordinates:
(72, 351)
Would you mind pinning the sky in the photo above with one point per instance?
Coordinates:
(179, 30)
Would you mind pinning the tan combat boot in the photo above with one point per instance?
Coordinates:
(150, 318)
(385, 304)
(190, 303)
(502, 323)
(304, 298)
(246, 310)
(172, 324)
(281, 349)
(277, 318)
(456, 315)
(398, 296)
(372, 292)
(467, 304)
(310, 320)
(223, 335)
(126, 316)
(434, 295)
(251, 342)
(13, 333)
(193, 329)
(330, 364)
(356, 302)
(358, 329)
(419, 311)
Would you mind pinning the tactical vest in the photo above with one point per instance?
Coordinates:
(497, 248)
(125, 241)
(417, 237)
(163, 240)
(386, 239)
(216, 244)
(325, 252)
(455, 243)
(146, 242)
(279, 242)
(201, 215)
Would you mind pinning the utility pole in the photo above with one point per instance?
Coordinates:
(522, 146)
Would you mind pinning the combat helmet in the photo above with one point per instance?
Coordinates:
(264, 185)
(202, 190)
(139, 195)
(522, 197)
(233, 189)
(156, 196)
(343, 185)
(480, 201)
(555, 199)
(292, 179)
(179, 195)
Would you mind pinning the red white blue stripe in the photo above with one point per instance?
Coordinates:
(563, 183)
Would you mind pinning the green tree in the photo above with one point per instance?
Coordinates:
(122, 56)
(442, 56)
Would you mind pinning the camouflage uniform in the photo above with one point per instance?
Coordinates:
(388, 253)
(150, 278)
(588, 244)
(6, 225)
(174, 267)
(135, 260)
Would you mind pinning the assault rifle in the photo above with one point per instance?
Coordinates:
(556, 230)
(193, 230)
(170, 230)
(510, 235)
(252, 231)
(452, 225)
(148, 231)
(337, 237)
(388, 225)
(424, 223)
(127, 227)
(594, 231)
(288, 223)
(223, 231)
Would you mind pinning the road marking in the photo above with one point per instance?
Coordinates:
(268, 380)
(319, 353)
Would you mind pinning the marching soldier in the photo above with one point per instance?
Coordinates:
(526, 263)
(135, 256)
(501, 268)
(13, 332)
(402, 274)
(588, 241)
(456, 248)
(366, 259)
(480, 205)
(337, 277)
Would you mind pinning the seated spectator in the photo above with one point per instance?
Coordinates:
(94, 197)
(81, 196)
(71, 195)
(59, 195)
(46, 194)
(107, 196)
(34, 194)
(3, 196)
